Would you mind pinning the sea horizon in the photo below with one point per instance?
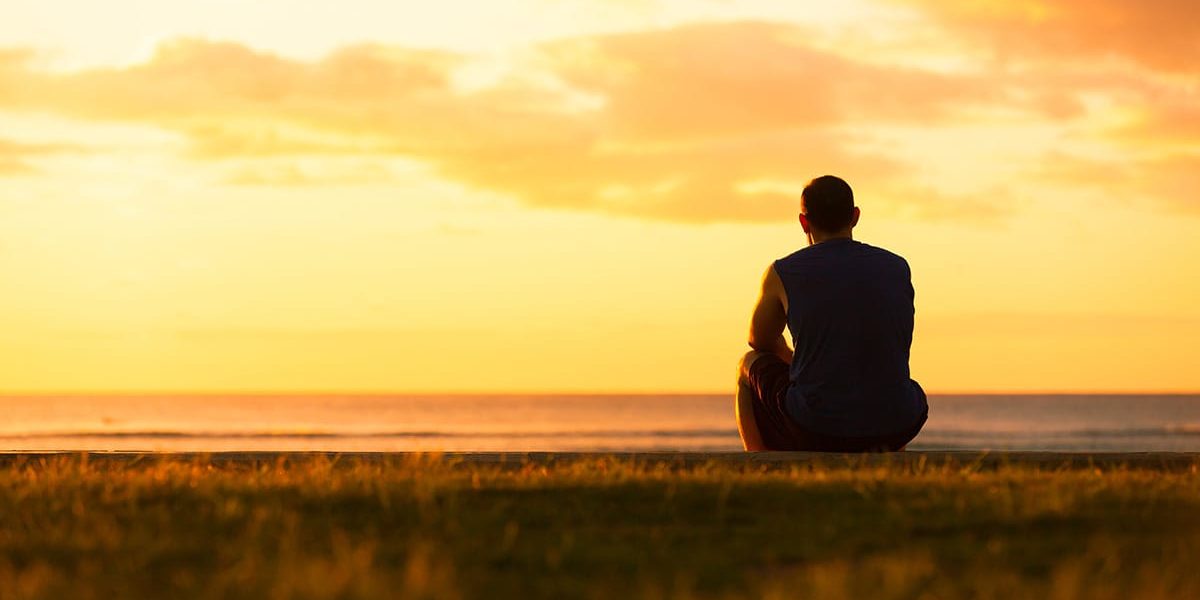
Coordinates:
(1069, 422)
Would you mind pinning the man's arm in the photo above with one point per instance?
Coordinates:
(770, 318)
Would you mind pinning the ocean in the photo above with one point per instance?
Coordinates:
(604, 423)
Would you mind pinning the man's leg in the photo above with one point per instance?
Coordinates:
(743, 406)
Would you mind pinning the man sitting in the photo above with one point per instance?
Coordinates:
(849, 307)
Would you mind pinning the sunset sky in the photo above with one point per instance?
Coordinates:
(544, 196)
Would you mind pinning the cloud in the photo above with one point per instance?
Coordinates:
(695, 183)
(190, 82)
(1170, 180)
(681, 124)
(13, 167)
(14, 156)
(290, 173)
(694, 114)
(745, 78)
(14, 62)
(1166, 117)
(1141, 57)
(1127, 75)
(1163, 35)
(930, 203)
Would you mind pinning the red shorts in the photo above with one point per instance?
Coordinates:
(769, 378)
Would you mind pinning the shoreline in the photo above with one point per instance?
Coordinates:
(979, 458)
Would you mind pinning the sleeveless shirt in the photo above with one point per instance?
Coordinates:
(850, 313)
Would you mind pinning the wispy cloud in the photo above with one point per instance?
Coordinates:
(1170, 180)
(12, 158)
(745, 78)
(15, 156)
(291, 173)
(1133, 66)
(1162, 35)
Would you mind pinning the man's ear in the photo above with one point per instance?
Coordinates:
(805, 225)
(854, 220)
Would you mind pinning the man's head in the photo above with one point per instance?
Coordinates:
(827, 207)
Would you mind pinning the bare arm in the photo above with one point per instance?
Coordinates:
(770, 318)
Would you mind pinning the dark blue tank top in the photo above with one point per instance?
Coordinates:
(850, 312)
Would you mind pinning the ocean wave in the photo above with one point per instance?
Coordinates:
(591, 434)
(1187, 429)
(929, 434)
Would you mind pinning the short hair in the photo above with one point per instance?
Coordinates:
(828, 202)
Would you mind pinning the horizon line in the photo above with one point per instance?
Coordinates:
(377, 393)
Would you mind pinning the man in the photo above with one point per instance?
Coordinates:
(849, 308)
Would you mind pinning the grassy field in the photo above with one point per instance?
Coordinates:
(422, 526)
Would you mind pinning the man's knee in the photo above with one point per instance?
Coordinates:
(746, 362)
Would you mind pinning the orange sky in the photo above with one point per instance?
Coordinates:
(537, 195)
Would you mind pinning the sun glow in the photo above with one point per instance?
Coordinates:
(580, 196)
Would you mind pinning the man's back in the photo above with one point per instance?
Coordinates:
(850, 314)
(849, 307)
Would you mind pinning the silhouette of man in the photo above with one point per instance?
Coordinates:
(849, 308)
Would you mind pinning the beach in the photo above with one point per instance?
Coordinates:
(640, 525)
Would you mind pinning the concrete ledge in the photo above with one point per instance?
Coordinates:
(1173, 461)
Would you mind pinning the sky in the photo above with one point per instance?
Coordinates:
(582, 195)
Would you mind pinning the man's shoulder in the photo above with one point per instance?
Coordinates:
(886, 261)
(883, 253)
(853, 256)
(794, 256)
(847, 248)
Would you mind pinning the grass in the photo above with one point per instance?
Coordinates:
(424, 526)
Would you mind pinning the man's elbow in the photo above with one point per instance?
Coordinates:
(761, 344)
